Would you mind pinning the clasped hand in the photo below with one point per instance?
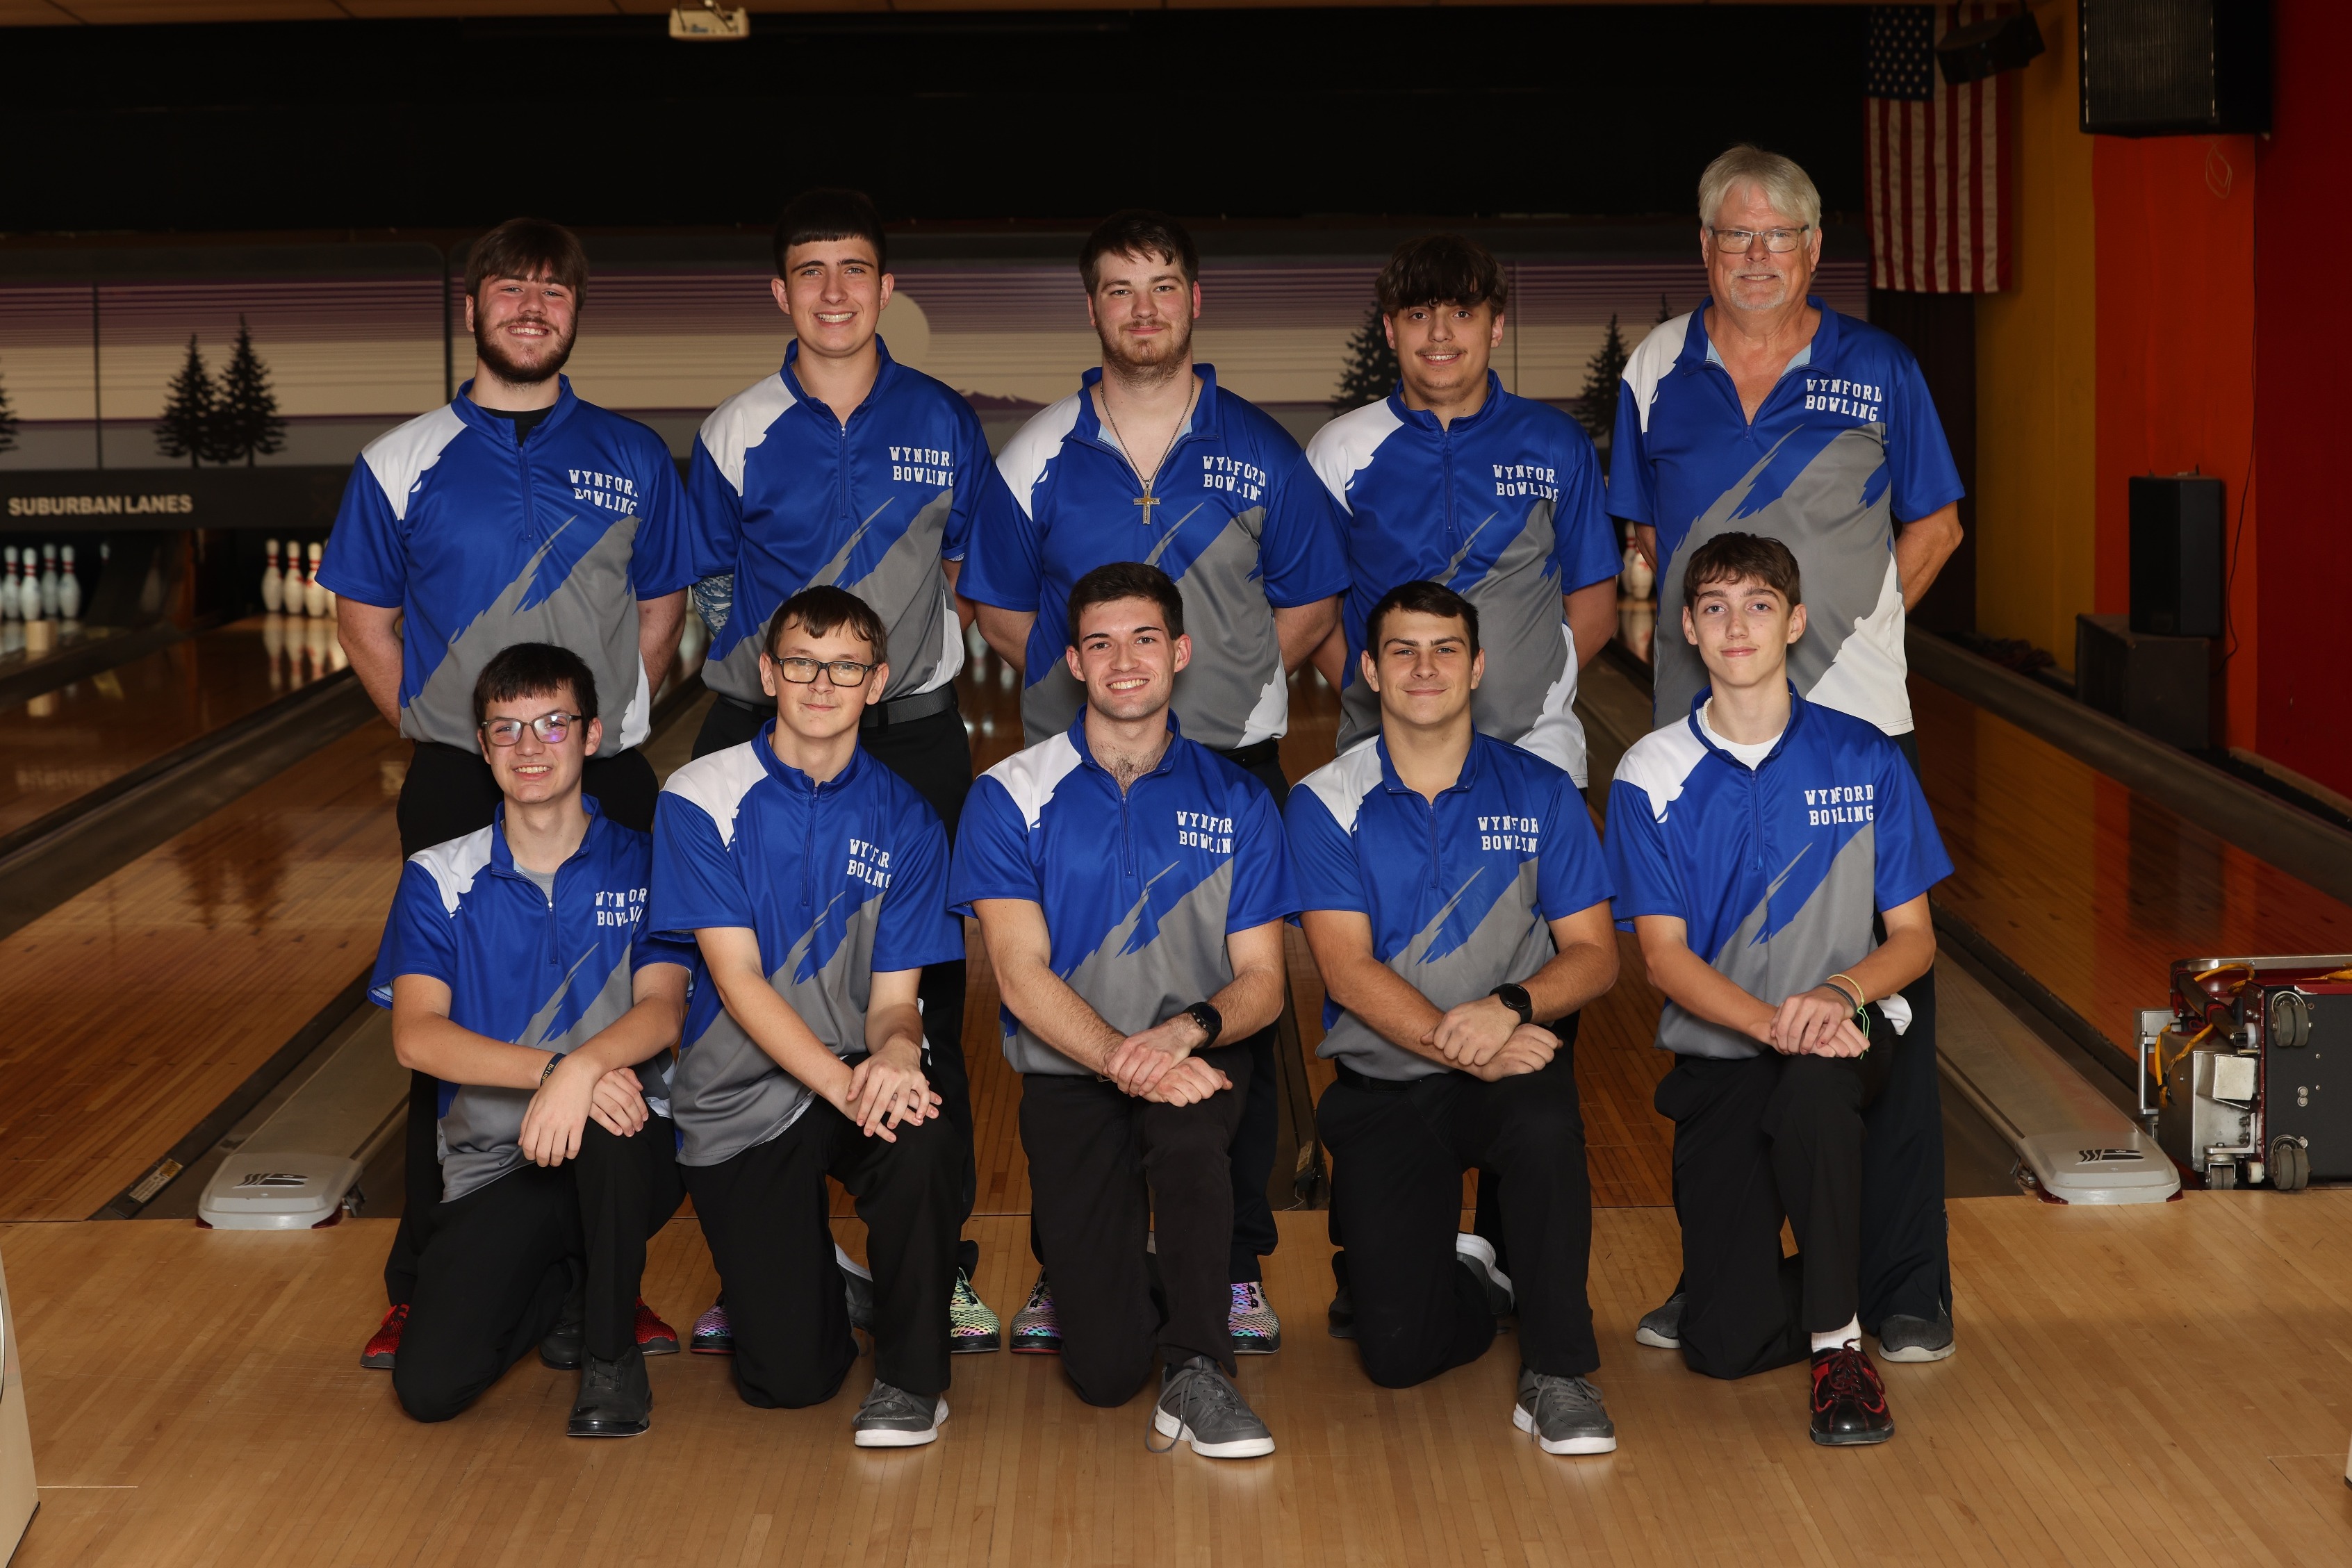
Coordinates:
(1158, 1064)
(1486, 1040)
(560, 1108)
(888, 1091)
(1819, 1022)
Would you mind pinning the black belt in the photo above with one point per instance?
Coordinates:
(881, 715)
(1355, 1080)
(1255, 755)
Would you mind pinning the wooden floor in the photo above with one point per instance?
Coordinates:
(2155, 1385)
(2091, 889)
(64, 743)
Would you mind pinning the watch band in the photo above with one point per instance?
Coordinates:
(547, 1071)
(1209, 1019)
(1515, 997)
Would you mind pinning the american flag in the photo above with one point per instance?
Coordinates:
(1937, 159)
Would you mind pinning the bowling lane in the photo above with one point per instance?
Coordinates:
(62, 744)
(137, 1006)
(2089, 887)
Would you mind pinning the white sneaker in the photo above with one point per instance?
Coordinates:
(1477, 1254)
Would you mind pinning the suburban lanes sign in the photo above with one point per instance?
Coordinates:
(114, 500)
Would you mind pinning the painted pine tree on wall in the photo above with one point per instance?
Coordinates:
(1369, 369)
(7, 422)
(246, 422)
(190, 403)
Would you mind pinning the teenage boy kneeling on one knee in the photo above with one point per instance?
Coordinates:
(1457, 906)
(1131, 886)
(520, 974)
(815, 880)
(1761, 847)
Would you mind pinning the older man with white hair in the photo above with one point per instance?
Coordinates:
(1765, 411)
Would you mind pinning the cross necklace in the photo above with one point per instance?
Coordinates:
(1147, 501)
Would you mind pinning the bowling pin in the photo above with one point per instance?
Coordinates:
(1639, 578)
(8, 611)
(48, 582)
(68, 586)
(273, 582)
(314, 598)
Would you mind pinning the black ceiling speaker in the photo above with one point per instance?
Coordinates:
(1986, 49)
(2175, 68)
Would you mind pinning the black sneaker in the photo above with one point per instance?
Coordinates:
(1905, 1338)
(1849, 1402)
(1661, 1327)
(1342, 1314)
(567, 1343)
(1476, 1254)
(857, 1288)
(616, 1398)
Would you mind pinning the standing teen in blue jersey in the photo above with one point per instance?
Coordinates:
(1450, 479)
(1132, 886)
(513, 513)
(1456, 905)
(1149, 460)
(1761, 847)
(1765, 411)
(523, 981)
(815, 880)
(846, 468)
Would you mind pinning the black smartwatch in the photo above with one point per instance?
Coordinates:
(1209, 1019)
(1515, 997)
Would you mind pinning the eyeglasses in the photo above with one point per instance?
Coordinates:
(844, 672)
(1779, 241)
(551, 727)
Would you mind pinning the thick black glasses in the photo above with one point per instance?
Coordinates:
(845, 672)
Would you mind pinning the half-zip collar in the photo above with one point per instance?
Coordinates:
(1127, 866)
(502, 431)
(811, 796)
(1693, 361)
(1203, 423)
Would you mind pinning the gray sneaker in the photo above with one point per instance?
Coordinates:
(1662, 1327)
(1903, 1338)
(1200, 1404)
(858, 1285)
(894, 1418)
(1476, 1254)
(1565, 1414)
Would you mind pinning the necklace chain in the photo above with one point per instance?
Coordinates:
(1129, 453)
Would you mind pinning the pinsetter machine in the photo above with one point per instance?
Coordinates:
(2234, 1075)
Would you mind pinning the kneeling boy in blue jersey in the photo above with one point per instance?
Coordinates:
(1457, 906)
(1761, 847)
(1132, 886)
(815, 880)
(520, 974)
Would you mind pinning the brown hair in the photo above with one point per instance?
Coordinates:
(823, 610)
(534, 670)
(1421, 599)
(1441, 270)
(1127, 580)
(1138, 231)
(528, 248)
(1734, 558)
(828, 213)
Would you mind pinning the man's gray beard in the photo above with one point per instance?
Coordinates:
(495, 356)
(1157, 370)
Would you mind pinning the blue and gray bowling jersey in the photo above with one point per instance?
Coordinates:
(1846, 444)
(782, 497)
(1139, 890)
(840, 880)
(550, 971)
(1237, 518)
(483, 542)
(1504, 507)
(1460, 893)
(1776, 871)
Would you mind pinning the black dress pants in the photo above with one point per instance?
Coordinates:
(1906, 1261)
(448, 794)
(1259, 1133)
(765, 1215)
(934, 755)
(1757, 1140)
(1398, 1153)
(1105, 1170)
(496, 1264)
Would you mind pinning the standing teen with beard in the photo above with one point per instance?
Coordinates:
(1150, 461)
(513, 513)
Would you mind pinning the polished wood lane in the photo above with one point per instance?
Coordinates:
(138, 1005)
(2091, 889)
(2133, 1385)
(63, 744)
